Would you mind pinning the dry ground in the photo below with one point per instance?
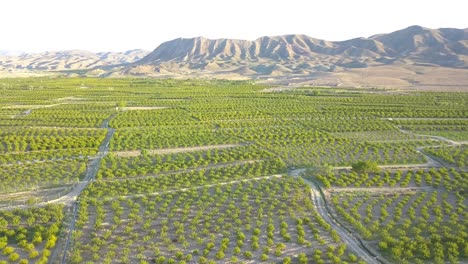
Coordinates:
(131, 108)
(401, 77)
(135, 153)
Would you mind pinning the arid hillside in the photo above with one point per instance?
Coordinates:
(414, 57)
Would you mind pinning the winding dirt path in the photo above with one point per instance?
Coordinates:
(432, 161)
(350, 238)
(352, 241)
(439, 138)
(91, 172)
(92, 168)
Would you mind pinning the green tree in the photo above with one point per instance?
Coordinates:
(14, 257)
(76, 256)
(303, 258)
(365, 167)
(121, 104)
(352, 257)
(219, 255)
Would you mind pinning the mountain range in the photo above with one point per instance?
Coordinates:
(414, 56)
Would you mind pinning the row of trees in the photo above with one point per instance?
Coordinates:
(123, 167)
(407, 226)
(190, 179)
(17, 177)
(366, 174)
(260, 220)
(29, 234)
(456, 154)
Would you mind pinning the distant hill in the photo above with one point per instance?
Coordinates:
(69, 60)
(414, 56)
(441, 47)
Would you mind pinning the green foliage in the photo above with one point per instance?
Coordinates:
(418, 226)
(121, 104)
(457, 155)
(206, 201)
(14, 237)
(248, 254)
(188, 216)
(365, 167)
(302, 257)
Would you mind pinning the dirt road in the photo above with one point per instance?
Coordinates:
(91, 172)
(353, 243)
(71, 197)
(350, 239)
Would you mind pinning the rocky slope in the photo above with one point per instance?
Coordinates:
(441, 47)
(408, 57)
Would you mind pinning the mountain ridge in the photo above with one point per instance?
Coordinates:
(415, 56)
(412, 42)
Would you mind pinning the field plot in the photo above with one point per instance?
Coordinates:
(165, 137)
(30, 139)
(29, 236)
(124, 167)
(153, 183)
(380, 136)
(18, 177)
(305, 146)
(41, 157)
(71, 115)
(409, 216)
(457, 155)
(451, 128)
(173, 150)
(262, 220)
(206, 171)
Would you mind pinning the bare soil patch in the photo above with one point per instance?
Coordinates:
(381, 190)
(135, 153)
(21, 199)
(29, 106)
(70, 98)
(132, 108)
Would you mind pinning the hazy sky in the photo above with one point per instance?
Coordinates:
(118, 25)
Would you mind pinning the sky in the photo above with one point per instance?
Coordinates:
(119, 25)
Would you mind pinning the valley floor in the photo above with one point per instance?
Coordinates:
(198, 171)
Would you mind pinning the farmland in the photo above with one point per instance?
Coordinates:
(205, 171)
